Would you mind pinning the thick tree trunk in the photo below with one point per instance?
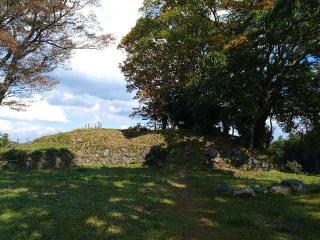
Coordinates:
(258, 134)
(226, 128)
(3, 91)
(164, 123)
(8, 81)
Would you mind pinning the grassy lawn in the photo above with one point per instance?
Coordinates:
(148, 203)
(177, 201)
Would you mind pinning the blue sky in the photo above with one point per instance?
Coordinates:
(93, 90)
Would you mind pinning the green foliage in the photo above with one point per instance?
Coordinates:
(277, 148)
(294, 167)
(4, 140)
(258, 60)
(303, 149)
(157, 156)
(135, 131)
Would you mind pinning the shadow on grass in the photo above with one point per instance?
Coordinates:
(106, 203)
(50, 158)
(140, 203)
(146, 203)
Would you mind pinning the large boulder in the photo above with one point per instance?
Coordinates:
(246, 192)
(211, 152)
(257, 188)
(297, 186)
(281, 189)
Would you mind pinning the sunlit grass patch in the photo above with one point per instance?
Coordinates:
(140, 203)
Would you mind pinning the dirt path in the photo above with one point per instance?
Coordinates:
(192, 209)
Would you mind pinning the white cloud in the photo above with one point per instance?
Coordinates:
(96, 109)
(40, 110)
(116, 17)
(26, 131)
(5, 126)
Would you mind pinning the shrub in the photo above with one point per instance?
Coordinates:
(4, 140)
(135, 131)
(157, 156)
(277, 148)
(294, 167)
(304, 149)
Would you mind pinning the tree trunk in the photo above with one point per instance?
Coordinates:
(8, 81)
(164, 123)
(3, 91)
(259, 130)
(226, 128)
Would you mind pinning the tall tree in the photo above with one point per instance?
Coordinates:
(272, 61)
(165, 51)
(36, 37)
(239, 63)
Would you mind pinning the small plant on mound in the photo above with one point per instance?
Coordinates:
(135, 131)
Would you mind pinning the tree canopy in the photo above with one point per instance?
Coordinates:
(221, 64)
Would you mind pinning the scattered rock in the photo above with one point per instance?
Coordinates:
(281, 189)
(286, 187)
(114, 161)
(107, 161)
(29, 163)
(234, 158)
(125, 161)
(225, 189)
(297, 186)
(124, 150)
(106, 153)
(256, 188)
(260, 163)
(246, 192)
(8, 165)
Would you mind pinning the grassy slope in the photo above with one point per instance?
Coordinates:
(177, 201)
(89, 145)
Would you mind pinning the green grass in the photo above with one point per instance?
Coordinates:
(175, 202)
